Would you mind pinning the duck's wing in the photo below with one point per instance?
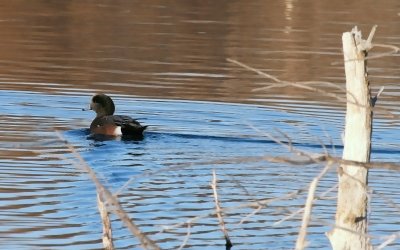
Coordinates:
(122, 120)
(128, 125)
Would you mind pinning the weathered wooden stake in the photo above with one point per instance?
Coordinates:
(351, 214)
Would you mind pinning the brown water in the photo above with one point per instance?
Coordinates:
(166, 64)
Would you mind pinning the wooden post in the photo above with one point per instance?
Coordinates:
(351, 214)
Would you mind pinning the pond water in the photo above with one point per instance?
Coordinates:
(166, 65)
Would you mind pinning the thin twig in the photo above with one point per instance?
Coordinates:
(107, 232)
(258, 209)
(263, 202)
(308, 159)
(290, 216)
(293, 84)
(301, 239)
(186, 239)
(319, 197)
(388, 241)
(218, 209)
(391, 202)
(366, 45)
(249, 195)
(273, 78)
(375, 98)
(301, 85)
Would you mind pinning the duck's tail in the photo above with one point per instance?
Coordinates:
(133, 129)
(144, 128)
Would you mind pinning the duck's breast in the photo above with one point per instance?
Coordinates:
(105, 126)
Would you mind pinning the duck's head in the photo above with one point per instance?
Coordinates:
(102, 105)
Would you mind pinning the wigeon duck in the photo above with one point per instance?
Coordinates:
(106, 123)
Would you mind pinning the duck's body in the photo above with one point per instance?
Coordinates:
(106, 123)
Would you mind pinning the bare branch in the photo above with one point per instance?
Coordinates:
(145, 241)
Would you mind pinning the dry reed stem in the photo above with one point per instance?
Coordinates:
(258, 209)
(254, 204)
(303, 85)
(264, 202)
(394, 50)
(288, 144)
(310, 159)
(292, 149)
(329, 224)
(218, 209)
(145, 241)
(186, 239)
(259, 205)
(301, 239)
(237, 183)
(310, 199)
(248, 194)
(290, 216)
(392, 203)
(368, 43)
(107, 232)
(389, 240)
(293, 214)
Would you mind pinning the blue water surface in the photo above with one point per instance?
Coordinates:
(165, 178)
